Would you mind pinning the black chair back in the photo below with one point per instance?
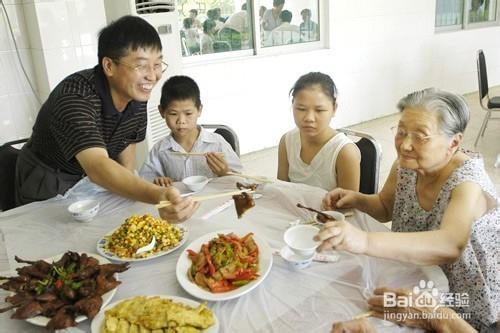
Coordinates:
(8, 159)
(482, 75)
(368, 166)
(228, 134)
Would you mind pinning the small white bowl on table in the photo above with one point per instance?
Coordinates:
(84, 210)
(195, 183)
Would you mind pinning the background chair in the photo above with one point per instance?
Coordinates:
(221, 46)
(492, 104)
(227, 133)
(371, 153)
(8, 159)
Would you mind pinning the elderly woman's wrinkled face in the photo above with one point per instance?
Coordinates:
(419, 141)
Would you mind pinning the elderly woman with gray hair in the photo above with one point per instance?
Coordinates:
(443, 206)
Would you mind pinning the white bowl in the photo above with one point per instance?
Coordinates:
(84, 210)
(195, 183)
(338, 216)
(300, 240)
(293, 260)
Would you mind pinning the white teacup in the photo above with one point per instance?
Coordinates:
(294, 260)
(300, 240)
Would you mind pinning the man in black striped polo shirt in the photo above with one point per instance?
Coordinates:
(92, 120)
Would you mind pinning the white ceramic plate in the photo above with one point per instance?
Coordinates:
(184, 263)
(42, 320)
(110, 255)
(98, 320)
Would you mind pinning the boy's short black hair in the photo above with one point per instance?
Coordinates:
(128, 33)
(180, 88)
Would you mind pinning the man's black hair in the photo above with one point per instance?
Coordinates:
(128, 33)
(180, 88)
(286, 16)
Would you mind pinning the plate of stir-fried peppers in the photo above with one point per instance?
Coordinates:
(224, 265)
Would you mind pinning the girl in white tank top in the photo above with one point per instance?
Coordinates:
(314, 153)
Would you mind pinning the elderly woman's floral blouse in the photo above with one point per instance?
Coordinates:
(477, 271)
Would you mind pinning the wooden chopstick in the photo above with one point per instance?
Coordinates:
(187, 154)
(257, 178)
(163, 204)
(192, 153)
(364, 315)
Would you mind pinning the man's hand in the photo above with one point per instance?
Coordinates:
(163, 181)
(217, 163)
(181, 208)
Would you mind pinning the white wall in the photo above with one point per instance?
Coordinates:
(18, 107)
(380, 50)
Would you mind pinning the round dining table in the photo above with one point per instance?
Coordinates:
(287, 300)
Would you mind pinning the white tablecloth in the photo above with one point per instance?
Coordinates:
(287, 301)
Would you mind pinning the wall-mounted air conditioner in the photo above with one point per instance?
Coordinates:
(164, 17)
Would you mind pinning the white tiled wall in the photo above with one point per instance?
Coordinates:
(55, 38)
(17, 103)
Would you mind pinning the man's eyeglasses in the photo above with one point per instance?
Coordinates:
(144, 69)
(415, 137)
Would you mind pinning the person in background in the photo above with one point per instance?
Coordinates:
(314, 153)
(180, 106)
(193, 14)
(285, 33)
(92, 120)
(236, 29)
(271, 17)
(192, 36)
(443, 206)
(441, 320)
(214, 15)
(208, 38)
(308, 28)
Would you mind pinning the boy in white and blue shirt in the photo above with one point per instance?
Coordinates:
(180, 106)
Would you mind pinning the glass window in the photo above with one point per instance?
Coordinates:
(213, 26)
(288, 22)
(449, 12)
(481, 11)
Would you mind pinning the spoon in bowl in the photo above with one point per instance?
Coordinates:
(148, 247)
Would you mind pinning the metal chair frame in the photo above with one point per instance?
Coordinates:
(482, 78)
(370, 169)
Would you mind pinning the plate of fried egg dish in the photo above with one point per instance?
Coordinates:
(160, 313)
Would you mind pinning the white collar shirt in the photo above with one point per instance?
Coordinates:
(164, 160)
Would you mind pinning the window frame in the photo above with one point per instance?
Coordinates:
(256, 50)
(466, 25)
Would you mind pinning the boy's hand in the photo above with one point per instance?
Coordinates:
(217, 163)
(163, 181)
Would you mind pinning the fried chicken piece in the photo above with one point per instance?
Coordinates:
(89, 306)
(242, 186)
(64, 317)
(28, 310)
(105, 284)
(110, 269)
(243, 202)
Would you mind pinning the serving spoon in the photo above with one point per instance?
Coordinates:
(148, 247)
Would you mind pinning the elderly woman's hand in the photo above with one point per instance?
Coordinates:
(181, 208)
(341, 235)
(411, 315)
(362, 325)
(339, 198)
